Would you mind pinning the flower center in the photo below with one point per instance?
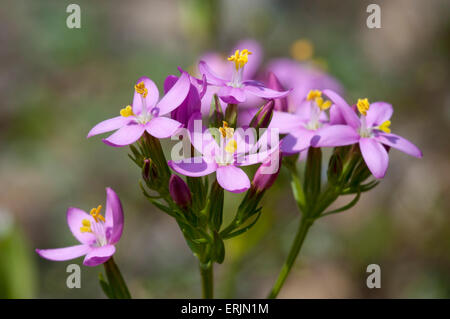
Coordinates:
(317, 106)
(363, 106)
(144, 117)
(97, 228)
(226, 153)
(239, 59)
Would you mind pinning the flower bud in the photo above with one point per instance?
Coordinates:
(274, 84)
(267, 172)
(263, 117)
(179, 191)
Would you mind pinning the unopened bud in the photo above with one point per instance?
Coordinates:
(267, 172)
(274, 84)
(263, 117)
(179, 191)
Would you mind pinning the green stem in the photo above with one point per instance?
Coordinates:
(116, 282)
(206, 272)
(305, 224)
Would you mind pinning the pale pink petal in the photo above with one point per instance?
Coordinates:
(260, 90)
(113, 216)
(346, 111)
(378, 113)
(399, 143)
(99, 255)
(162, 127)
(375, 156)
(126, 135)
(75, 217)
(232, 178)
(175, 96)
(67, 253)
(211, 77)
(194, 167)
(109, 125)
(335, 135)
(232, 95)
(297, 141)
(286, 122)
(151, 98)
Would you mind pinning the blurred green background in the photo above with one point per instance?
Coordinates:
(56, 83)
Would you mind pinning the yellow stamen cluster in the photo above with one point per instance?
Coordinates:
(313, 94)
(363, 106)
(240, 58)
(226, 131)
(141, 89)
(385, 127)
(323, 105)
(126, 111)
(86, 228)
(95, 212)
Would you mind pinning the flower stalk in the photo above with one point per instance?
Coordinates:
(116, 288)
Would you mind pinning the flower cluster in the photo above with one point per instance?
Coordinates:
(224, 119)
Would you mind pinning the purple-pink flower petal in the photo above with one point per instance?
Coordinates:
(335, 135)
(175, 96)
(258, 89)
(109, 125)
(232, 178)
(194, 167)
(285, 122)
(113, 216)
(378, 113)
(232, 95)
(66, 253)
(99, 255)
(375, 156)
(297, 141)
(162, 127)
(74, 218)
(151, 98)
(126, 135)
(347, 112)
(399, 143)
(211, 77)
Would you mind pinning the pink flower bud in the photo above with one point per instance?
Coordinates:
(268, 172)
(179, 191)
(274, 84)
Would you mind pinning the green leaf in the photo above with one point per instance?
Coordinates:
(105, 287)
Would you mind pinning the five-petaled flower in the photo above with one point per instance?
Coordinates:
(311, 125)
(97, 234)
(223, 156)
(372, 131)
(235, 90)
(145, 114)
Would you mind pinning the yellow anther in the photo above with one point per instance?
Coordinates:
(385, 127)
(363, 106)
(126, 111)
(240, 59)
(321, 104)
(226, 131)
(313, 94)
(95, 212)
(86, 228)
(141, 89)
(231, 146)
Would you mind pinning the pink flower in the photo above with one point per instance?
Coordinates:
(217, 62)
(236, 89)
(97, 234)
(373, 132)
(224, 158)
(145, 114)
(311, 124)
